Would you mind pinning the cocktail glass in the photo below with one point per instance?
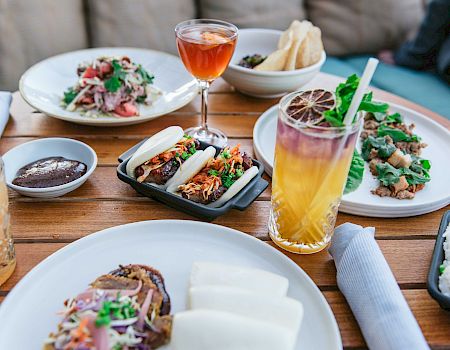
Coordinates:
(310, 171)
(206, 47)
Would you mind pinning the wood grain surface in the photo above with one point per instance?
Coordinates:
(40, 227)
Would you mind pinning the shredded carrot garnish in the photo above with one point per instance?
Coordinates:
(79, 335)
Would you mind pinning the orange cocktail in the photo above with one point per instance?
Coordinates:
(206, 50)
(206, 47)
(309, 176)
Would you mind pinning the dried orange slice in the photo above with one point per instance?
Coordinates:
(309, 106)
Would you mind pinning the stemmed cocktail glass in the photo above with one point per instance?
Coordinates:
(205, 47)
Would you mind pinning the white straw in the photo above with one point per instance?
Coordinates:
(359, 93)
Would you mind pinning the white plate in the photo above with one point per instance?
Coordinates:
(434, 196)
(43, 85)
(171, 246)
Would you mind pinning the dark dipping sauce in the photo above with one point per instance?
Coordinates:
(49, 172)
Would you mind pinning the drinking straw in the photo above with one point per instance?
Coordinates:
(362, 86)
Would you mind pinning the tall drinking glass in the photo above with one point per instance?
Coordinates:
(7, 253)
(309, 176)
(205, 47)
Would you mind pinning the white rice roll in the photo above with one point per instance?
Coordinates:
(218, 330)
(157, 144)
(182, 176)
(281, 311)
(254, 280)
(236, 187)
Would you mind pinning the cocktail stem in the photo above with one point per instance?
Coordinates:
(204, 86)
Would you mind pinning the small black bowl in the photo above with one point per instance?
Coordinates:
(436, 261)
(240, 201)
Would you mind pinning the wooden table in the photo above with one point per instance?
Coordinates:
(40, 227)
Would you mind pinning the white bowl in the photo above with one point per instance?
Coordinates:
(32, 151)
(265, 84)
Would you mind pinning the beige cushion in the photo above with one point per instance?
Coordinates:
(138, 23)
(364, 26)
(33, 30)
(276, 14)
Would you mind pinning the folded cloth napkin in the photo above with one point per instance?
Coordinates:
(5, 102)
(369, 286)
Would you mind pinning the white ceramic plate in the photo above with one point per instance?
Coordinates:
(361, 202)
(43, 85)
(171, 246)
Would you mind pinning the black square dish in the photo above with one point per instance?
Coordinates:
(241, 201)
(436, 261)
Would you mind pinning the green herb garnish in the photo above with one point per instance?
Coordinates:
(148, 78)
(114, 310)
(228, 179)
(441, 269)
(226, 154)
(69, 96)
(213, 172)
(355, 174)
(239, 172)
(114, 83)
(185, 155)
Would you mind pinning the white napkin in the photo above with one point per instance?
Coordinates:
(365, 279)
(5, 102)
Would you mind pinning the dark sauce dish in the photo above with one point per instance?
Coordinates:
(436, 261)
(24, 155)
(240, 201)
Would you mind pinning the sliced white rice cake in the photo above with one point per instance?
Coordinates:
(259, 281)
(281, 311)
(219, 330)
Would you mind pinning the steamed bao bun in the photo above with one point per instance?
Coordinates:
(299, 46)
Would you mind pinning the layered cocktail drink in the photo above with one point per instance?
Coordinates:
(312, 160)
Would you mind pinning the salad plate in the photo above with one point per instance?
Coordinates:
(43, 85)
(171, 246)
(362, 202)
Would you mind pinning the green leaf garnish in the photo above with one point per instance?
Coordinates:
(148, 78)
(441, 269)
(344, 94)
(239, 172)
(69, 96)
(355, 174)
(397, 135)
(114, 310)
(226, 154)
(113, 84)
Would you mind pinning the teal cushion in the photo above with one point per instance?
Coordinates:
(423, 88)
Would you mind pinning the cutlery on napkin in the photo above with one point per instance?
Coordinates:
(365, 279)
(5, 102)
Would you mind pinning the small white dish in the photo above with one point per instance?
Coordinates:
(32, 151)
(434, 196)
(42, 86)
(268, 84)
(171, 246)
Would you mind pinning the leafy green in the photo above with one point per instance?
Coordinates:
(239, 172)
(69, 96)
(384, 148)
(185, 155)
(114, 83)
(148, 78)
(355, 174)
(226, 154)
(388, 175)
(344, 94)
(394, 118)
(397, 135)
(441, 269)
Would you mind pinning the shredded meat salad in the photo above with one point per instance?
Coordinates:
(110, 86)
(393, 152)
